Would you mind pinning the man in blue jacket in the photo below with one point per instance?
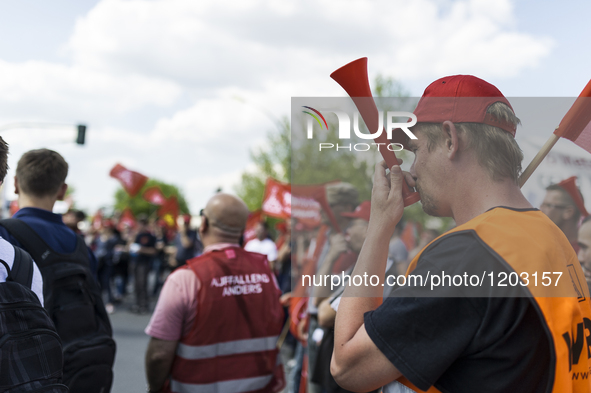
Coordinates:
(40, 181)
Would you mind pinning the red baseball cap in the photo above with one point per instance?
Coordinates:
(362, 211)
(569, 185)
(459, 99)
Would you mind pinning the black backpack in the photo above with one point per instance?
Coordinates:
(31, 357)
(74, 302)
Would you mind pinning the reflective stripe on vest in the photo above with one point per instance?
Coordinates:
(233, 386)
(193, 352)
(397, 387)
(232, 346)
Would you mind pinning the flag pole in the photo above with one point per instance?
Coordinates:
(538, 159)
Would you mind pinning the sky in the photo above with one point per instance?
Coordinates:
(182, 90)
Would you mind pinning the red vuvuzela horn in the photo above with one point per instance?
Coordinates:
(353, 78)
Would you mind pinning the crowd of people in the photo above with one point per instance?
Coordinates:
(237, 316)
(123, 252)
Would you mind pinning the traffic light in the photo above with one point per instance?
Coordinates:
(81, 134)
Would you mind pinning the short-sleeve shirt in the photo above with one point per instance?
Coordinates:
(265, 246)
(463, 344)
(176, 309)
(7, 255)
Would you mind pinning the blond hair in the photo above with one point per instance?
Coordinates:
(496, 149)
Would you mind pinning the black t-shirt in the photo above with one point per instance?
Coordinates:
(445, 337)
(145, 239)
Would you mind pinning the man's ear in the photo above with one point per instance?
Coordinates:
(452, 142)
(15, 185)
(62, 192)
(204, 226)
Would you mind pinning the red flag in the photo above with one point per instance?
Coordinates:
(127, 219)
(154, 196)
(277, 199)
(13, 207)
(253, 219)
(131, 181)
(409, 235)
(97, 219)
(169, 211)
(306, 211)
(576, 124)
(317, 192)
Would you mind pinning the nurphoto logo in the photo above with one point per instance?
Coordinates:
(345, 129)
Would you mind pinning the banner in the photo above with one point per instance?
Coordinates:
(154, 196)
(127, 219)
(131, 181)
(316, 192)
(562, 162)
(253, 218)
(306, 211)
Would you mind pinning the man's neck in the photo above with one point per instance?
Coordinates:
(213, 240)
(478, 193)
(39, 203)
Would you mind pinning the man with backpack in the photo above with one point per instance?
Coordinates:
(72, 295)
(30, 349)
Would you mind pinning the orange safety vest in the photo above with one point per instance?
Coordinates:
(530, 243)
(232, 346)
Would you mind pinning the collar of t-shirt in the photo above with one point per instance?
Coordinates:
(38, 213)
(219, 246)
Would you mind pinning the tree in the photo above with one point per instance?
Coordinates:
(274, 161)
(139, 205)
(298, 161)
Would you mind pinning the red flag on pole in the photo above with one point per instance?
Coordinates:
(97, 220)
(253, 218)
(576, 124)
(154, 196)
(131, 181)
(127, 219)
(13, 207)
(169, 211)
(277, 199)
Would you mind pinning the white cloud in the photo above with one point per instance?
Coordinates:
(52, 91)
(209, 44)
(211, 121)
(157, 79)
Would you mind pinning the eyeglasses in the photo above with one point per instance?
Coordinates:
(553, 206)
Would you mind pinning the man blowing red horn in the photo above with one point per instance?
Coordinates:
(453, 336)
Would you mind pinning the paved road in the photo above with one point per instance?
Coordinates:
(128, 331)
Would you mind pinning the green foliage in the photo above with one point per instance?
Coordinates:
(139, 205)
(313, 167)
(385, 86)
(298, 161)
(274, 161)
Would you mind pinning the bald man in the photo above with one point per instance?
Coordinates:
(217, 321)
